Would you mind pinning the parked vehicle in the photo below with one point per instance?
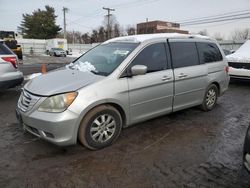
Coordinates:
(121, 82)
(57, 52)
(10, 76)
(239, 63)
(9, 38)
(246, 151)
(56, 43)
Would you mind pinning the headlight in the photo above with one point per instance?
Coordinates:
(57, 103)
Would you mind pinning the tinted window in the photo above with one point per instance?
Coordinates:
(208, 52)
(4, 50)
(153, 56)
(184, 54)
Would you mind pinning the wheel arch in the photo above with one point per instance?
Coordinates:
(217, 85)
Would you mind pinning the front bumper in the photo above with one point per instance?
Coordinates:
(57, 128)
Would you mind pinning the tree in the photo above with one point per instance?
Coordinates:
(41, 24)
(240, 34)
(117, 30)
(86, 38)
(131, 30)
(109, 26)
(218, 36)
(203, 32)
(101, 34)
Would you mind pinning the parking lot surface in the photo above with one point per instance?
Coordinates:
(190, 148)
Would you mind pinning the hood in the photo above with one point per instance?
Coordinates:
(241, 55)
(61, 81)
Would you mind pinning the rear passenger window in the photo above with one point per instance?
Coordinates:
(4, 50)
(153, 56)
(208, 52)
(184, 54)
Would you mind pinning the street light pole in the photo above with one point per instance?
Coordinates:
(64, 22)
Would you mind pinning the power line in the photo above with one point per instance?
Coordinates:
(219, 20)
(227, 13)
(122, 5)
(215, 18)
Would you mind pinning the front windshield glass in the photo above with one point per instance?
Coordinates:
(103, 59)
(58, 49)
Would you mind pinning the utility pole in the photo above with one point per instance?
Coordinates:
(65, 10)
(109, 15)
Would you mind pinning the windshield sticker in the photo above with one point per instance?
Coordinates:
(121, 52)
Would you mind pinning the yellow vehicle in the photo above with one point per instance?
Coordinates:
(10, 41)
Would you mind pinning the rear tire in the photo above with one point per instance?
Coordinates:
(100, 127)
(210, 98)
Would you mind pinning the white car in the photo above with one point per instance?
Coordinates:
(10, 76)
(239, 62)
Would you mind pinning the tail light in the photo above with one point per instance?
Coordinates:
(11, 60)
(227, 69)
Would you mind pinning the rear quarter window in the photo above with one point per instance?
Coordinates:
(208, 52)
(4, 50)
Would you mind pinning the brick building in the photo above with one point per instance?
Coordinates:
(159, 27)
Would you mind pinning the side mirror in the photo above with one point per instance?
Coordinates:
(139, 70)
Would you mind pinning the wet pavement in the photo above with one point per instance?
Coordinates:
(190, 148)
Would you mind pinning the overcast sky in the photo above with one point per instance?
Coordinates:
(85, 15)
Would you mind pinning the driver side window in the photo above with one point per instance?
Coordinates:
(153, 56)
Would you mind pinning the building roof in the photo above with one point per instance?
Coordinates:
(145, 37)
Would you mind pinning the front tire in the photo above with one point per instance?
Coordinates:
(210, 99)
(100, 127)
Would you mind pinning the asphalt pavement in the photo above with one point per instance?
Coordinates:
(190, 148)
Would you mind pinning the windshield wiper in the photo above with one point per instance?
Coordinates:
(99, 73)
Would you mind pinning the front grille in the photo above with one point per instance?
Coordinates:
(27, 101)
(238, 65)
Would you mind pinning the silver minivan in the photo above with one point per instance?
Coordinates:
(121, 82)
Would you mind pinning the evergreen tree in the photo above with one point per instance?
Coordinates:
(41, 24)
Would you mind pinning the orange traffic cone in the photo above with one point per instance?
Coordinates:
(43, 68)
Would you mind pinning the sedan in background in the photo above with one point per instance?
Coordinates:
(58, 52)
(10, 76)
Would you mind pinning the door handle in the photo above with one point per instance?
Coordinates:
(164, 78)
(182, 75)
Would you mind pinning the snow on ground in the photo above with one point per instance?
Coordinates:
(242, 55)
(31, 76)
(75, 54)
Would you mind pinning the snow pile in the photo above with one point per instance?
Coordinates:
(239, 72)
(75, 54)
(31, 76)
(82, 66)
(242, 55)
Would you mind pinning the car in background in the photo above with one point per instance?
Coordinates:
(58, 52)
(246, 151)
(239, 63)
(10, 76)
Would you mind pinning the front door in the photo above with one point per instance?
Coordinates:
(151, 94)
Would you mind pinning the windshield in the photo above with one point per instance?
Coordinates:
(103, 59)
(58, 49)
